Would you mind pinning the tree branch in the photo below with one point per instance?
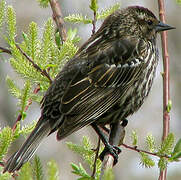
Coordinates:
(58, 18)
(43, 72)
(36, 90)
(5, 50)
(96, 157)
(166, 78)
(94, 23)
(134, 148)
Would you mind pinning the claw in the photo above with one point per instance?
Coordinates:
(112, 150)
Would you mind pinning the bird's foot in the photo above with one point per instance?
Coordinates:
(112, 150)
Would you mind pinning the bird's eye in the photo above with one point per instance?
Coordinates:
(149, 22)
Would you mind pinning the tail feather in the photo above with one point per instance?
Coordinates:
(27, 150)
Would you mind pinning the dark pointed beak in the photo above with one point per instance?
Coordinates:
(163, 27)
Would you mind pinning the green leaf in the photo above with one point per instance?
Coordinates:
(106, 12)
(176, 154)
(167, 145)
(2, 12)
(134, 138)
(53, 173)
(47, 44)
(146, 161)
(33, 42)
(177, 147)
(169, 106)
(37, 169)
(12, 87)
(162, 164)
(94, 5)
(79, 170)
(4, 176)
(26, 129)
(11, 21)
(24, 98)
(150, 141)
(6, 137)
(25, 172)
(43, 3)
(108, 174)
(84, 150)
(179, 1)
(78, 18)
(72, 35)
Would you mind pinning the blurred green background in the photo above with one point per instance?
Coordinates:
(147, 120)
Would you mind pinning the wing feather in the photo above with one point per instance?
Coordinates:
(91, 94)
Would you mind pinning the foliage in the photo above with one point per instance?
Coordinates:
(53, 173)
(86, 152)
(79, 18)
(134, 138)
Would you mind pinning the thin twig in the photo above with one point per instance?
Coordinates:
(166, 85)
(36, 90)
(94, 23)
(58, 18)
(43, 72)
(140, 150)
(96, 157)
(5, 50)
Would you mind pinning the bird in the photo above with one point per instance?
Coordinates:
(106, 81)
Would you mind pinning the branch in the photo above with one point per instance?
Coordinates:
(166, 85)
(43, 72)
(5, 50)
(94, 23)
(58, 18)
(36, 90)
(134, 148)
(96, 157)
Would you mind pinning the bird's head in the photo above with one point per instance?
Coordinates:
(135, 21)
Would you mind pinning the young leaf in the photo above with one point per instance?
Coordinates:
(33, 43)
(13, 89)
(104, 13)
(24, 97)
(167, 145)
(37, 169)
(43, 3)
(150, 141)
(77, 18)
(176, 154)
(6, 137)
(28, 128)
(108, 175)
(146, 161)
(94, 5)
(25, 172)
(53, 173)
(2, 12)
(134, 138)
(4, 176)
(11, 21)
(162, 164)
(79, 170)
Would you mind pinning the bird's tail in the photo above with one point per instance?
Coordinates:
(27, 150)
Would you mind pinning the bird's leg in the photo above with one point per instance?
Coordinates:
(116, 135)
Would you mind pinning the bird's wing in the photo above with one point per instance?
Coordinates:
(91, 94)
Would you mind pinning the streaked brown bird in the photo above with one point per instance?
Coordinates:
(105, 82)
